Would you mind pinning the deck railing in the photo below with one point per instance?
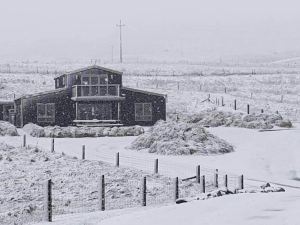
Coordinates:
(95, 90)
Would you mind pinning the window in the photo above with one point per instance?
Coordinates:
(46, 112)
(143, 112)
(63, 80)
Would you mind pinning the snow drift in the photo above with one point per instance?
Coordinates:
(69, 132)
(8, 129)
(180, 138)
(215, 118)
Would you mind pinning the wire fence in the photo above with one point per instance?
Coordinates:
(81, 196)
(125, 182)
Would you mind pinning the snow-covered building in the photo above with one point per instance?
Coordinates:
(92, 96)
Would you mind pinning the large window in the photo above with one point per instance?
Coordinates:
(143, 112)
(46, 112)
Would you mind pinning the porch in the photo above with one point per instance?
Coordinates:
(100, 113)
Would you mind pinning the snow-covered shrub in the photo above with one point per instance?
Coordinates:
(8, 129)
(77, 132)
(214, 118)
(34, 130)
(180, 138)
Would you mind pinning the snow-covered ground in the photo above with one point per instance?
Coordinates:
(266, 156)
(246, 209)
(271, 156)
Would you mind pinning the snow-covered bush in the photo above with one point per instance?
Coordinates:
(8, 129)
(180, 138)
(215, 118)
(77, 132)
(34, 130)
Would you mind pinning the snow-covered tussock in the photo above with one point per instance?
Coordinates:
(8, 129)
(75, 184)
(180, 138)
(63, 132)
(214, 118)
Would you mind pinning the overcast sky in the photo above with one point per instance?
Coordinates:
(78, 29)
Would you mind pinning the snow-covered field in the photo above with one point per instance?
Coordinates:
(260, 156)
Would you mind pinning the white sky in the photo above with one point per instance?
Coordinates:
(154, 28)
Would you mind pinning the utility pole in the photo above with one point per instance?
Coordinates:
(112, 54)
(120, 26)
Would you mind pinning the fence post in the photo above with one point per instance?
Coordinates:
(48, 201)
(83, 152)
(117, 159)
(203, 184)
(226, 181)
(24, 140)
(52, 145)
(248, 109)
(102, 193)
(262, 111)
(225, 90)
(241, 186)
(176, 189)
(156, 166)
(198, 174)
(216, 180)
(178, 86)
(144, 191)
(234, 104)
(222, 101)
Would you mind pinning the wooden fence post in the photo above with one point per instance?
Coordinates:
(241, 186)
(48, 202)
(225, 90)
(178, 87)
(198, 174)
(176, 189)
(156, 166)
(203, 184)
(52, 145)
(24, 140)
(102, 193)
(248, 109)
(226, 181)
(117, 159)
(83, 152)
(222, 101)
(234, 104)
(216, 180)
(144, 191)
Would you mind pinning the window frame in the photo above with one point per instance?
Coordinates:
(143, 117)
(45, 118)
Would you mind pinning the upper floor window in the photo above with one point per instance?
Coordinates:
(46, 112)
(94, 79)
(143, 112)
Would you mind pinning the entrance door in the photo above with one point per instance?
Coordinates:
(91, 111)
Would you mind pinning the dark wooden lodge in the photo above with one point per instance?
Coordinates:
(92, 96)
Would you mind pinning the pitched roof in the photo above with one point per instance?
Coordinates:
(143, 91)
(42, 93)
(91, 67)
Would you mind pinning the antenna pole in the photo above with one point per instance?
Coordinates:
(121, 53)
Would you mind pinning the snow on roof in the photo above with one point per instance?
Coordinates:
(6, 101)
(90, 67)
(41, 93)
(143, 91)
